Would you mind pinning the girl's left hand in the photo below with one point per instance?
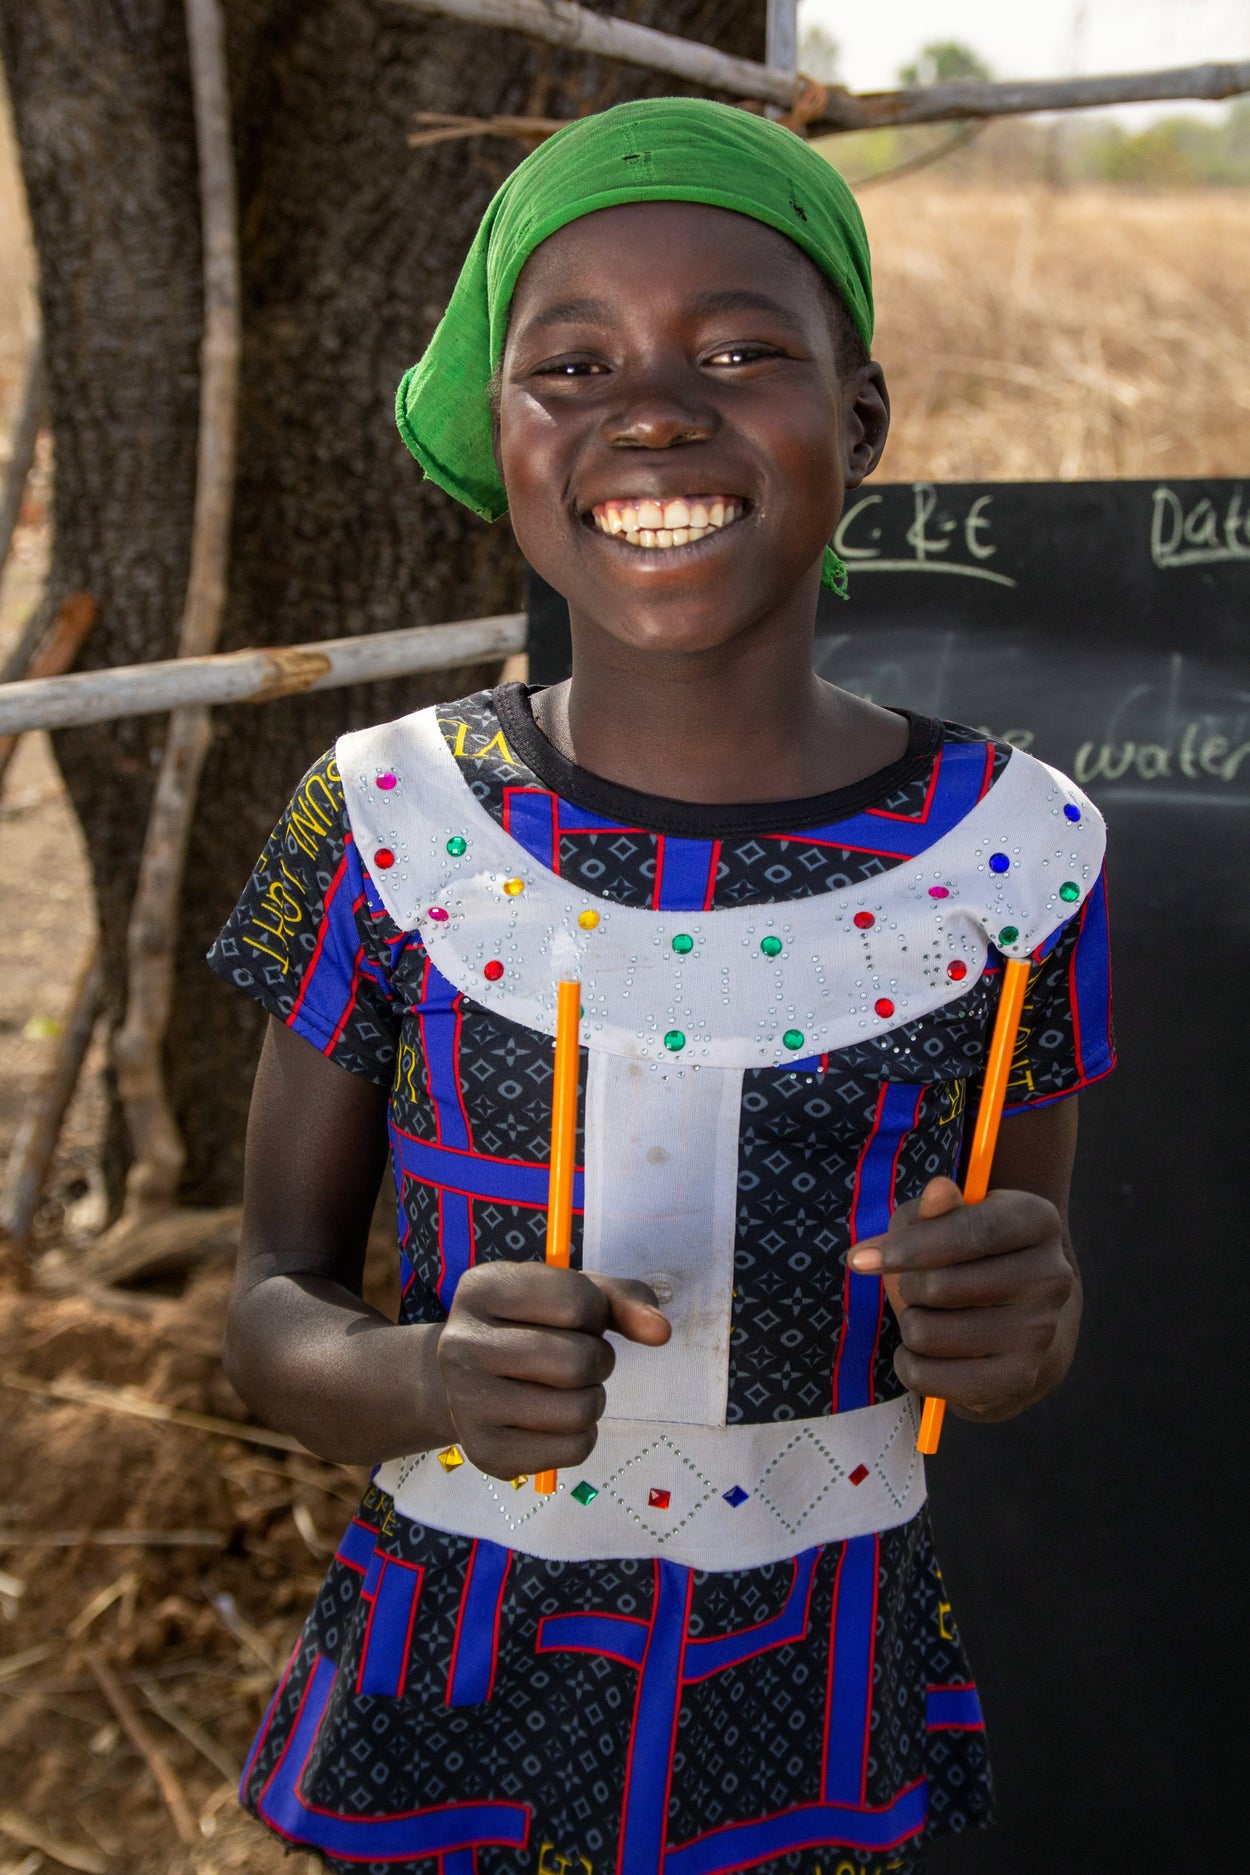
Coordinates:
(986, 1295)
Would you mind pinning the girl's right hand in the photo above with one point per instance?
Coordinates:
(523, 1360)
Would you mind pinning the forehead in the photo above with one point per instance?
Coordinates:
(640, 253)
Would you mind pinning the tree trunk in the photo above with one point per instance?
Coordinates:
(350, 243)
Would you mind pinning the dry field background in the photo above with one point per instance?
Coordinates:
(1027, 334)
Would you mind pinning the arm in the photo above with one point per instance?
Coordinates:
(988, 1296)
(302, 1347)
(515, 1374)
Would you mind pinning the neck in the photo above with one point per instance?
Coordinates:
(745, 721)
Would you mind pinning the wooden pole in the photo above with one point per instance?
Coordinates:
(576, 29)
(25, 435)
(561, 23)
(255, 676)
(54, 655)
(27, 1170)
(152, 1182)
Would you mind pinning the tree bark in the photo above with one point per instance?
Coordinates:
(350, 245)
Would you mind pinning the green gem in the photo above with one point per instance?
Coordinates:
(674, 1040)
(683, 943)
(793, 1038)
(585, 1493)
(1069, 891)
(1008, 934)
(771, 946)
(457, 845)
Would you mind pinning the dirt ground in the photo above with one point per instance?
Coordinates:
(1030, 340)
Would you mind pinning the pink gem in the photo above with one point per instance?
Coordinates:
(938, 891)
(858, 1475)
(438, 914)
(386, 782)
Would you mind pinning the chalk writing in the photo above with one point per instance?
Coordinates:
(932, 532)
(1199, 535)
(1197, 754)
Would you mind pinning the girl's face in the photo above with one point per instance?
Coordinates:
(671, 371)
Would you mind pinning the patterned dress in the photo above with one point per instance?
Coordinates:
(725, 1643)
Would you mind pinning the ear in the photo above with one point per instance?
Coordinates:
(867, 421)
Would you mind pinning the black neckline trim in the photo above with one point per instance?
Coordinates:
(701, 820)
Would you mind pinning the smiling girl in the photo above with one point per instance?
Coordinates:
(723, 1642)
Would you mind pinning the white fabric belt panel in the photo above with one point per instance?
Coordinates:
(797, 1475)
(661, 1196)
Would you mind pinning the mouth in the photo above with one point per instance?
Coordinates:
(647, 522)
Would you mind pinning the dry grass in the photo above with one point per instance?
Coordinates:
(1038, 335)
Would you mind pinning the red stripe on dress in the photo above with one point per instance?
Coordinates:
(321, 938)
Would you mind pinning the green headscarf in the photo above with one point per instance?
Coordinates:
(660, 150)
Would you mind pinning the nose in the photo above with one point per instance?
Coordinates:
(655, 414)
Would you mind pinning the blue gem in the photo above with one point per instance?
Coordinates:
(999, 862)
(1072, 812)
(735, 1497)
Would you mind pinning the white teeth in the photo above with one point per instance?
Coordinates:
(648, 523)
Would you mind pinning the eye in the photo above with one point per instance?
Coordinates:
(570, 368)
(739, 355)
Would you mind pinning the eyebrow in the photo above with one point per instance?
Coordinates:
(600, 312)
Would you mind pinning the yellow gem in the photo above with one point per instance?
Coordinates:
(513, 886)
(451, 1457)
(518, 1482)
(588, 920)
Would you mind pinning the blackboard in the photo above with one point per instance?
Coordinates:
(1092, 1548)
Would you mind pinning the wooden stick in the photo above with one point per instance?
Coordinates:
(255, 676)
(985, 1137)
(113, 1539)
(113, 1400)
(158, 1764)
(40, 1126)
(563, 1146)
(561, 23)
(576, 29)
(55, 654)
(32, 1835)
(138, 1046)
(204, 1742)
(23, 439)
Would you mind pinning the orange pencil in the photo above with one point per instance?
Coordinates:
(985, 1138)
(563, 1146)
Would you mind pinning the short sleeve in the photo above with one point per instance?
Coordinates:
(1066, 1036)
(305, 940)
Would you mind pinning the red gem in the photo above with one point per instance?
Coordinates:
(493, 970)
(957, 971)
(658, 1500)
(863, 921)
(859, 1474)
(883, 1006)
(384, 858)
